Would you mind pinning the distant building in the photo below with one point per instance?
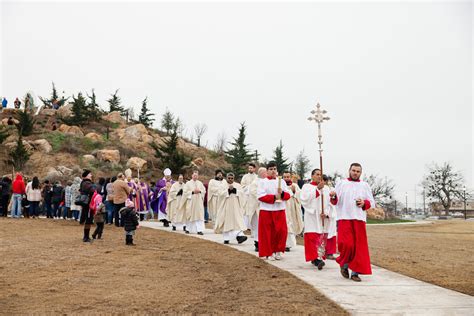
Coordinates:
(457, 206)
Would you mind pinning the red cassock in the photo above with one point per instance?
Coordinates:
(272, 227)
(352, 235)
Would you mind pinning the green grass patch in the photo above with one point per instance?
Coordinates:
(56, 139)
(388, 221)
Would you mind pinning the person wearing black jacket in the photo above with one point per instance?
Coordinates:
(56, 199)
(130, 221)
(5, 191)
(87, 188)
(47, 194)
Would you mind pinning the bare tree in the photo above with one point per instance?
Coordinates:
(220, 146)
(181, 128)
(199, 130)
(382, 188)
(443, 184)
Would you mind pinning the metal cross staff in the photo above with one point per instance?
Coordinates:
(319, 118)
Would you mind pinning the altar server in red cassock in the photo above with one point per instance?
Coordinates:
(353, 198)
(272, 229)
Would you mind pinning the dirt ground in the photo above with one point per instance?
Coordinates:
(46, 268)
(441, 253)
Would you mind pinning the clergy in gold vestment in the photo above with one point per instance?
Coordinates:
(193, 194)
(230, 219)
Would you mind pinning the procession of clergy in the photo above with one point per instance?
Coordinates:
(271, 207)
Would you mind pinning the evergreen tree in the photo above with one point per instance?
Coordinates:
(26, 123)
(169, 153)
(239, 155)
(80, 111)
(19, 156)
(60, 101)
(281, 162)
(167, 121)
(93, 109)
(114, 103)
(302, 164)
(145, 117)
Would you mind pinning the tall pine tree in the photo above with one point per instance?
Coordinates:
(145, 116)
(302, 164)
(167, 121)
(80, 113)
(60, 101)
(239, 155)
(281, 162)
(115, 103)
(26, 123)
(93, 109)
(20, 155)
(170, 155)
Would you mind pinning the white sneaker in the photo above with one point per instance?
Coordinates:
(277, 256)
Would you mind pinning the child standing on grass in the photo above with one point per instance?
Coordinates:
(99, 221)
(130, 220)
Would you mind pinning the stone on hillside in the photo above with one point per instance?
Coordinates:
(147, 139)
(110, 155)
(95, 137)
(12, 145)
(136, 163)
(65, 111)
(88, 158)
(65, 170)
(9, 112)
(48, 112)
(198, 162)
(72, 130)
(42, 145)
(53, 174)
(135, 131)
(114, 117)
(5, 121)
(376, 213)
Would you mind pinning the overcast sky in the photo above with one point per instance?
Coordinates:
(396, 78)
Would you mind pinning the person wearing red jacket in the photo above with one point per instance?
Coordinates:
(18, 190)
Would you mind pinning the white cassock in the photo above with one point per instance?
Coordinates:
(176, 215)
(213, 189)
(194, 205)
(230, 219)
(247, 180)
(253, 208)
(294, 215)
(313, 224)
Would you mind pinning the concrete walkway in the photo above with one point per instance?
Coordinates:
(382, 293)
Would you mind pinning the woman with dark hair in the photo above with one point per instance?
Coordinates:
(87, 218)
(33, 196)
(5, 188)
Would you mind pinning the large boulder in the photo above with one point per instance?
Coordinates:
(95, 137)
(12, 145)
(376, 213)
(65, 111)
(114, 117)
(88, 158)
(42, 145)
(72, 130)
(198, 162)
(109, 155)
(53, 174)
(48, 112)
(137, 163)
(147, 139)
(135, 131)
(65, 170)
(5, 121)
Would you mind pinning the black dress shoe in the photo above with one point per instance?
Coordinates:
(321, 264)
(186, 231)
(184, 228)
(345, 272)
(287, 249)
(355, 277)
(255, 243)
(200, 233)
(241, 239)
(226, 242)
(174, 227)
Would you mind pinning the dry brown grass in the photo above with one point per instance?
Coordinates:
(46, 268)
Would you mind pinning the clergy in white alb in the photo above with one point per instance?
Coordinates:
(193, 193)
